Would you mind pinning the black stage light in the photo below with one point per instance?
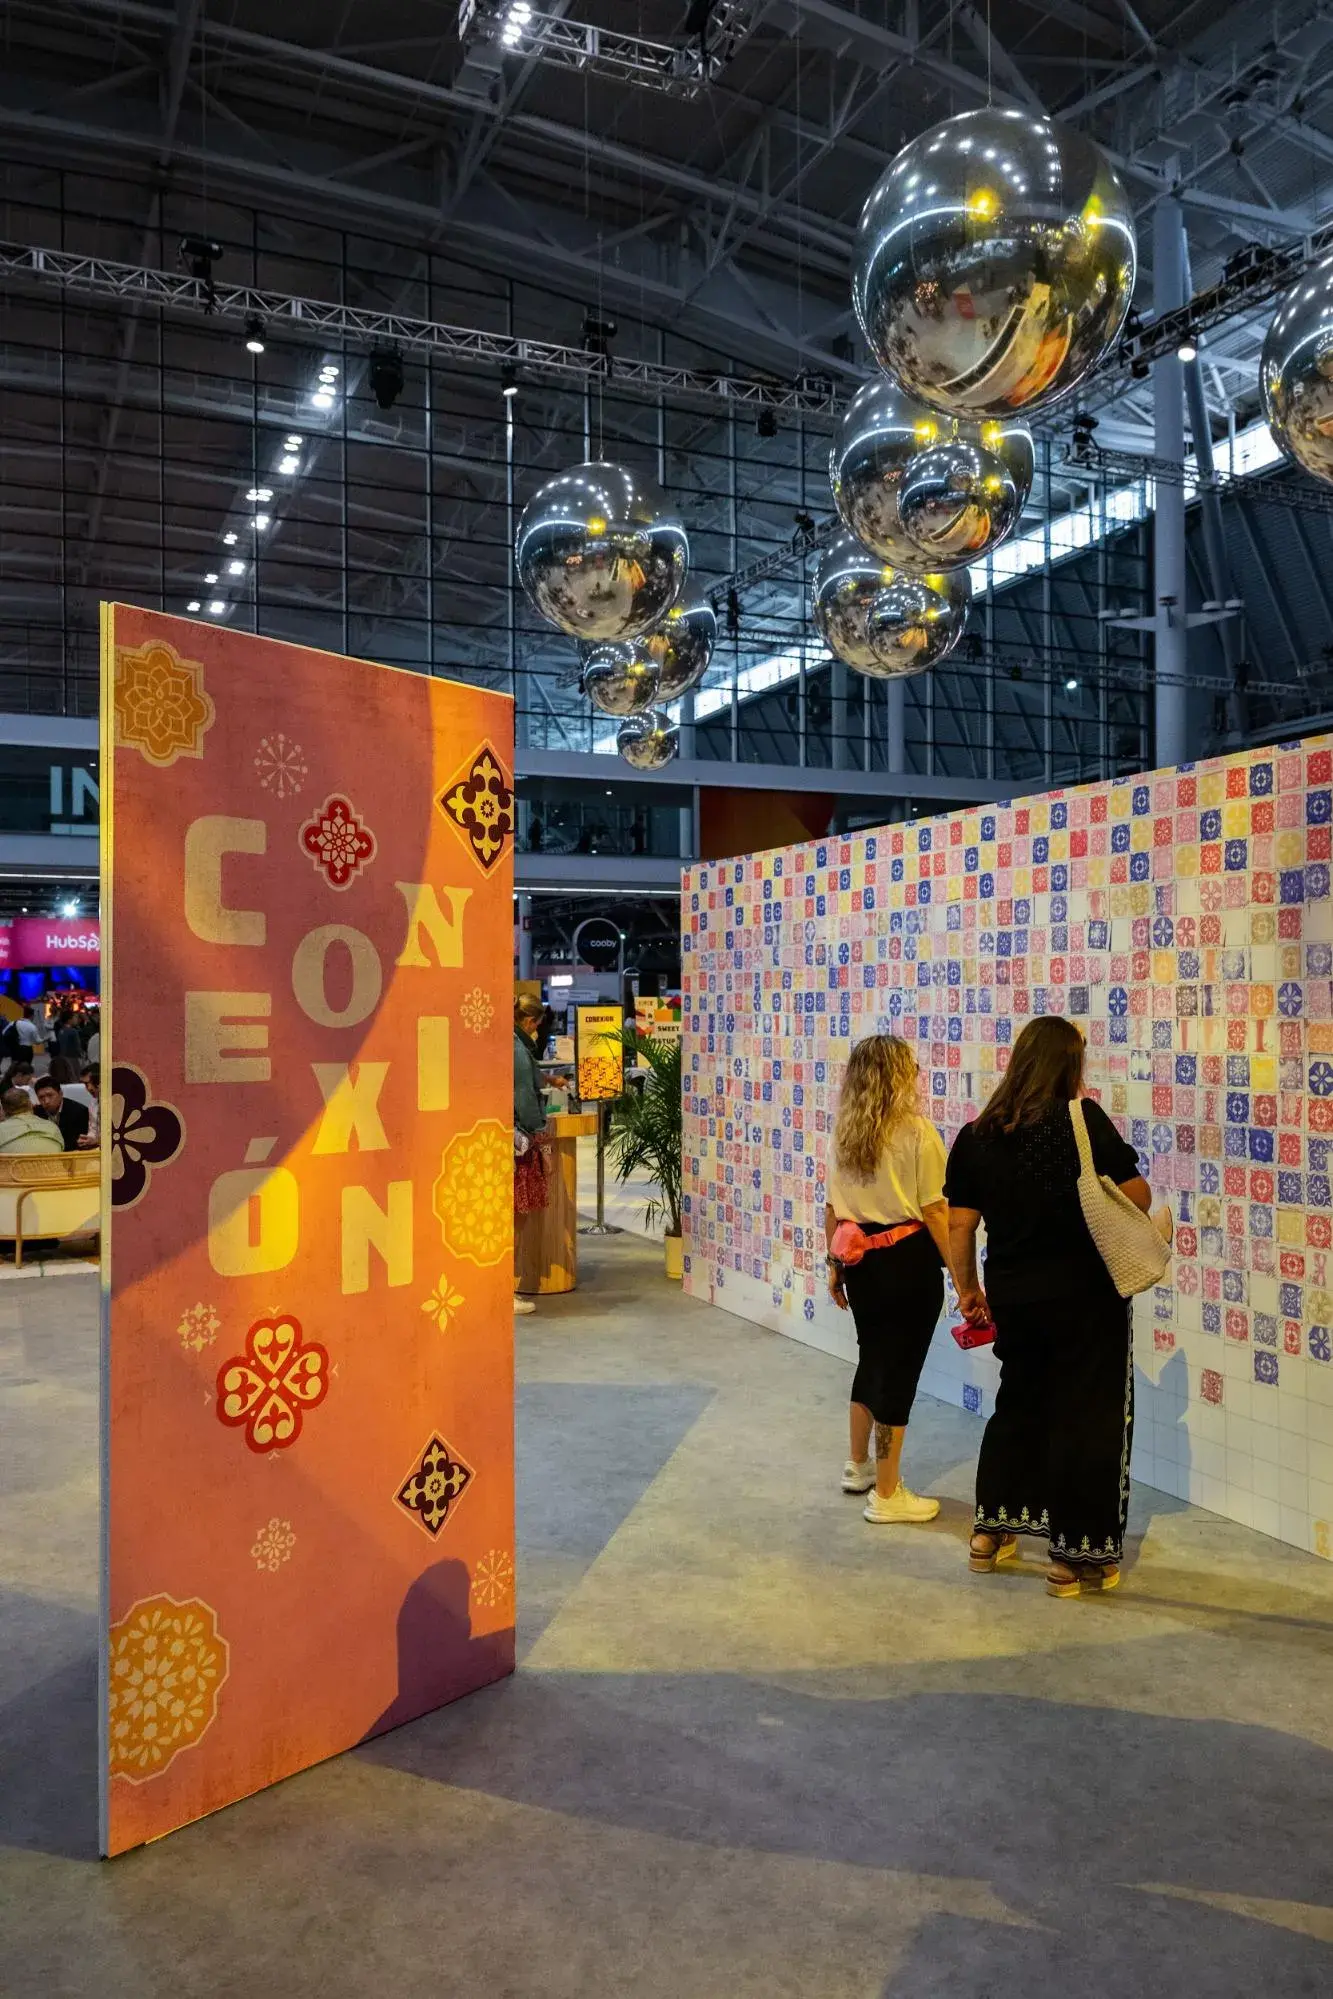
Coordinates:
(386, 376)
(254, 334)
(766, 424)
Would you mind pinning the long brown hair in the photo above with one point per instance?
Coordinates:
(878, 1091)
(1045, 1068)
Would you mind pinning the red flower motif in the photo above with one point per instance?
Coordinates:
(267, 1389)
(337, 842)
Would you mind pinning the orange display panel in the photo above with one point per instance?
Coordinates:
(307, 1165)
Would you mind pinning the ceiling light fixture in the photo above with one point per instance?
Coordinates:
(70, 908)
(1071, 687)
(230, 538)
(1187, 350)
(216, 608)
(260, 493)
(210, 576)
(261, 522)
(254, 334)
(288, 465)
(509, 381)
(194, 605)
(236, 568)
(292, 441)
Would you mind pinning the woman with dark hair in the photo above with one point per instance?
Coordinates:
(1055, 1455)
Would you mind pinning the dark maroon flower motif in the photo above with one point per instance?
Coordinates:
(143, 1135)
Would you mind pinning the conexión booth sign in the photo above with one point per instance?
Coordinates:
(34, 941)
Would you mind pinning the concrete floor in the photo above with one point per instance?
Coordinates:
(755, 1748)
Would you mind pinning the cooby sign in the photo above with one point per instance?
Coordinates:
(34, 941)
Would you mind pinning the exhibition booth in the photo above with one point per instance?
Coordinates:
(1183, 919)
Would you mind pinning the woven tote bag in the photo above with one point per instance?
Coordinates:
(1136, 1248)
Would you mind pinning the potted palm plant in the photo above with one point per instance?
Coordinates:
(646, 1136)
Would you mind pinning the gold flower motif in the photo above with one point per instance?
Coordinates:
(477, 1011)
(199, 1327)
(273, 1545)
(473, 1197)
(493, 1580)
(443, 1302)
(168, 1662)
(162, 706)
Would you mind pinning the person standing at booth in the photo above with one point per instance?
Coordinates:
(886, 1222)
(529, 1091)
(1055, 1455)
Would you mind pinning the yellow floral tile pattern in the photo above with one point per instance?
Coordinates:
(477, 1011)
(168, 1661)
(162, 707)
(273, 1545)
(443, 1303)
(473, 1197)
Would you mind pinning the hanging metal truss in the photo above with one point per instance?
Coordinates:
(681, 68)
(811, 395)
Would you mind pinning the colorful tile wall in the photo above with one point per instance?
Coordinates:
(1184, 920)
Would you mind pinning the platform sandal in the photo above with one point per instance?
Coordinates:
(986, 1551)
(1063, 1579)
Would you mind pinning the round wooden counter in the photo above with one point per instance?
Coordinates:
(546, 1243)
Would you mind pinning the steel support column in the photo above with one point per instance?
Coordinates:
(1169, 572)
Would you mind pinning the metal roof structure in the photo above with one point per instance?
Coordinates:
(690, 173)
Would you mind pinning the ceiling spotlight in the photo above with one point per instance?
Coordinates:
(261, 522)
(260, 493)
(289, 464)
(1187, 351)
(216, 608)
(236, 568)
(194, 605)
(254, 334)
(509, 381)
(70, 908)
(229, 538)
(386, 376)
(323, 399)
(328, 373)
(1071, 687)
(211, 576)
(292, 441)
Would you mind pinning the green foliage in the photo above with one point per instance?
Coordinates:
(645, 1132)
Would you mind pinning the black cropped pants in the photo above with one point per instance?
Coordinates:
(896, 1296)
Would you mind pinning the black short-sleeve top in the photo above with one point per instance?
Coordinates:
(1025, 1185)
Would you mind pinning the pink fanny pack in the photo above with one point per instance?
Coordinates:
(850, 1241)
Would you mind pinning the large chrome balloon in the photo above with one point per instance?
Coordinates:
(959, 500)
(848, 578)
(649, 742)
(916, 620)
(621, 678)
(995, 263)
(683, 646)
(601, 553)
(879, 434)
(1296, 372)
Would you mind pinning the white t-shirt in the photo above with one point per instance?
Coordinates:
(910, 1176)
(27, 1032)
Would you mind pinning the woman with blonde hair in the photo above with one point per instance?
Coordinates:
(886, 1223)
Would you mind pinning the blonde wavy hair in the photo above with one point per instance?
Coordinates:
(878, 1092)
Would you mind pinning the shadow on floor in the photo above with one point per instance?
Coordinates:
(1066, 1811)
(48, 1734)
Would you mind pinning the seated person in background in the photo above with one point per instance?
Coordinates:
(92, 1078)
(63, 1071)
(71, 1118)
(20, 1077)
(23, 1130)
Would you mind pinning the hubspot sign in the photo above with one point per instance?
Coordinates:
(33, 941)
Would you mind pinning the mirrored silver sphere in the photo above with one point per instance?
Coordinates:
(683, 646)
(879, 434)
(621, 678)
(916, 620)
(649, 742)
(995, 263)
(601, 553)
(959, 500)
(848, 578)
(1296, 372)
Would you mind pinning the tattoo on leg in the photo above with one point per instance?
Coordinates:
(884, 1440)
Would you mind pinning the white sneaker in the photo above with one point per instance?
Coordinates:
(904, 1506)
(522, 1306)
(858, 1477)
